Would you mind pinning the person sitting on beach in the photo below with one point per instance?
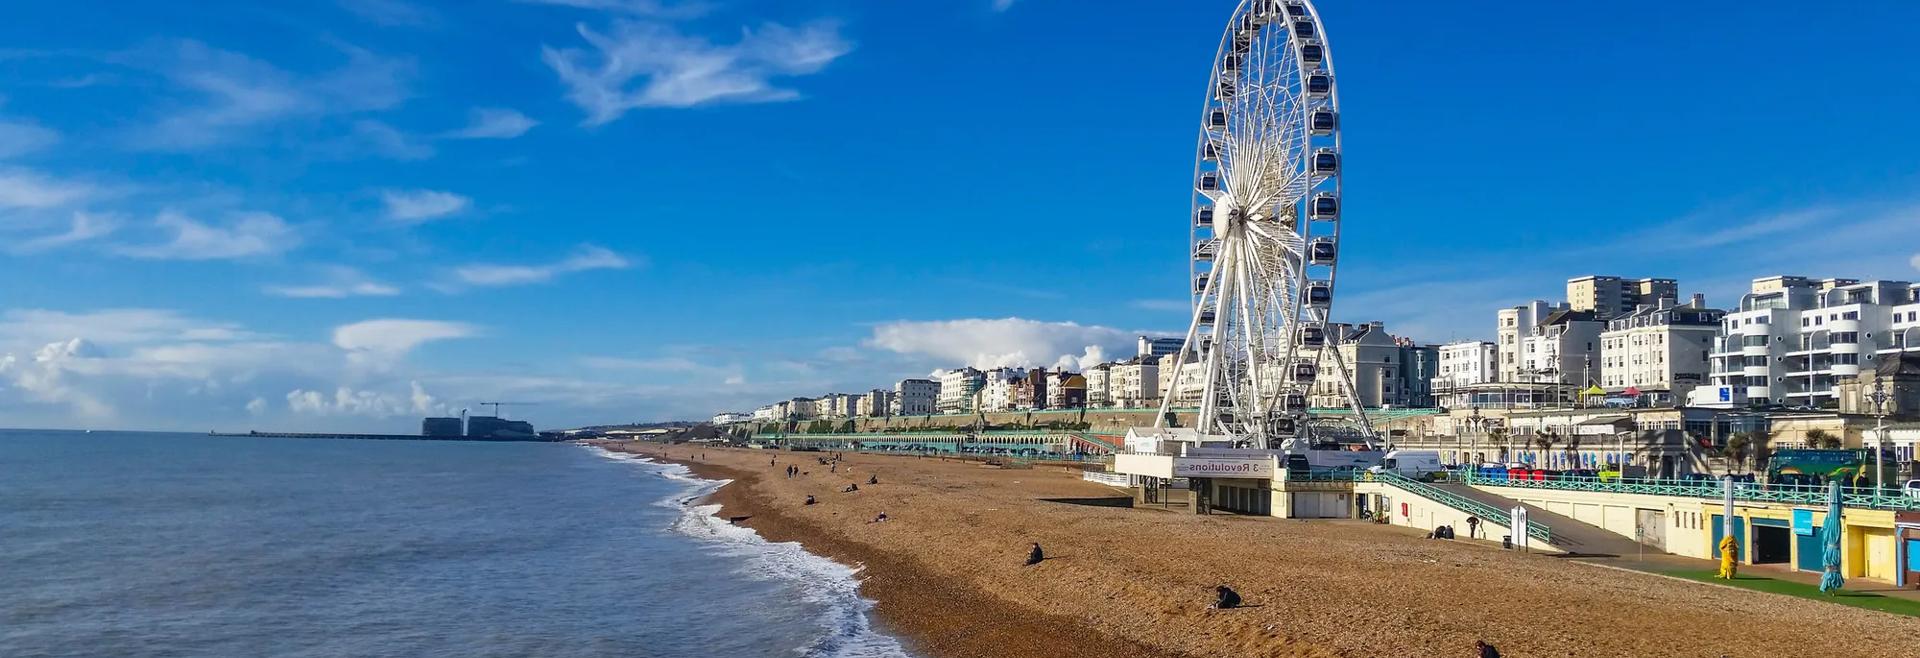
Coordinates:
(810, 500)
(1035, 556)
(850, 488)
(1225, 598)
(882, 518)
(1483, 650)
(873, 480)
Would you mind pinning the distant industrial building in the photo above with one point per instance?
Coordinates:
(494, 427)
(443, 427)
(1160, 346)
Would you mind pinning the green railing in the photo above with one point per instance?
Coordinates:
(1535, 529)
(1794, 494)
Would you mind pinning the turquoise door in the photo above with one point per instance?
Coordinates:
(1739, 535)
(1808, 552)
(1913, 555)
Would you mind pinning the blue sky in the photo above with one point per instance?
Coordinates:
(343, 214)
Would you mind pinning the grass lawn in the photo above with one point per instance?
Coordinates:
(1868, 600)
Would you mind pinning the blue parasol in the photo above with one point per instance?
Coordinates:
(1830, 539)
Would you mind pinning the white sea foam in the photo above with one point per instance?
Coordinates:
(846, 625)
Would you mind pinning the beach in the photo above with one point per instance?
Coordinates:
(946, 572)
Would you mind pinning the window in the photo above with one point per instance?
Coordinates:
(1850, 315)
(1846, 359)
(1846, 337)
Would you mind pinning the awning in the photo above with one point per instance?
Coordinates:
(1593, 390)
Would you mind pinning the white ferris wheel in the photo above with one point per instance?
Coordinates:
(1265, 231)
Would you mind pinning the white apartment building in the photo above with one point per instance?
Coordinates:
(915, 397)
(1376, 360)
(1792, 339)
(731, 417)
(1000, 392)
(1186, 392)
(1135, 383)
(1097, 385)
(957, 389)
(1515, 324)
(877, 402)
(1563, 349)
(766, 413)
(1661, 351)
(1466, 363)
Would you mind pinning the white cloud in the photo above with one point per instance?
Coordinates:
(1002, 5)
(347, 401)
(385, 340)
(114, 326)
(494, 123)
(44, 378)
(84, 227)
(339, 282)
(417, 206)
(248, 235)
(236, 93)
(641, 64)
(587, 257)
(984, 343)
(21, 188)
(378, 138)
(257, 406)
(18, 137)
(1915, 261)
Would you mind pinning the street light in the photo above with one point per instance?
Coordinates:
(1879, 398)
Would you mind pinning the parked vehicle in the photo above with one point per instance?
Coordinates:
(1913, 489)
(1416, 464)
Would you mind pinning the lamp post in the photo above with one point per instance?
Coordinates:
(1879, 398)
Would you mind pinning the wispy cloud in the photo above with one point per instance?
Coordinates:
(23, 188)
(494, 123)
(587, 257)
(247, 235)
(234, 93)
(385, 340)
(645, 64)
(1002, 5)
(19, 137)
(83, 227)
(375, 137)
(337, 282)
(420, 206)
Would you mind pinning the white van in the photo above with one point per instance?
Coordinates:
(1416, 464)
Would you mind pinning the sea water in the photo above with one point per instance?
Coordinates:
(148, 544)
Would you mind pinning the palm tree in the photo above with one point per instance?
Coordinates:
(1762, 448)
(1822, 439)
(1500, 435)
(1738, 446)
(1573, 451)
(1545, 441)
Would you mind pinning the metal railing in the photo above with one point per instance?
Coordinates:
(1796, 494)
(1535, 529)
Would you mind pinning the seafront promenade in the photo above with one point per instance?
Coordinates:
(945, 569)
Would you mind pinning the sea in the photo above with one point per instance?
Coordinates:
(158, 544)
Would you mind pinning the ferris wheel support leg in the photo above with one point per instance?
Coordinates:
(1353, 399)
(1186, 348)
(1208, 422)
(1257, 425)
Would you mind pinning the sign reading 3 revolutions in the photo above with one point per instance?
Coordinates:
(1217, 467)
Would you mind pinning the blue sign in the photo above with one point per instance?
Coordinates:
(1726, 394)
(1803, 522)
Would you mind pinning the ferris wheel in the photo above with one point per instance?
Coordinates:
(1265, 230)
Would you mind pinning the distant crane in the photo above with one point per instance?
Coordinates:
(496, 406)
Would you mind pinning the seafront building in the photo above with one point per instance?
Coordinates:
(731, 417)
(877, 402)
(1611, 296)
(1465, 363)
(1514, 326)
(1387, 370)
(958, 389)
(1792, 339)
(1658, 354)
(1160, 346)
(1066, 390)
(1001, 390)
(915, 397)
(1098, 378)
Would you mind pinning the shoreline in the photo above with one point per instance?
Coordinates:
(914, 605)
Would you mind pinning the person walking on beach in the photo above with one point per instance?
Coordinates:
(1473, 527)
(1035, 555)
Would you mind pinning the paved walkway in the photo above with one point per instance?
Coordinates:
(1581, 540)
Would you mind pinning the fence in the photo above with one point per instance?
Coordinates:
(1535, 529)
(1111, 479)
(1795, 494)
